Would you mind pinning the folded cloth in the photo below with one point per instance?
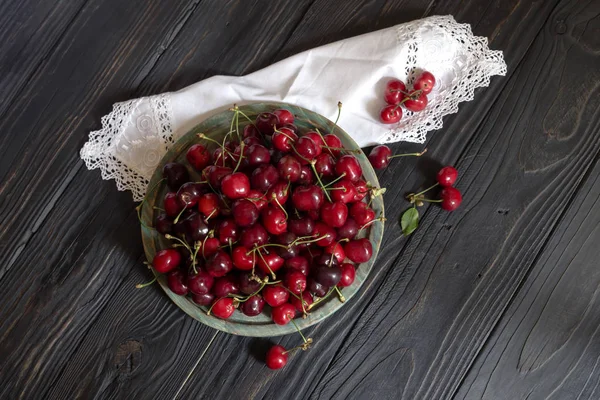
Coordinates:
(137, 133)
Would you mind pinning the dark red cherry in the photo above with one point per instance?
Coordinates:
(326, 259)
(269, 263)
(209, 247)
(251, 131)
(283, 314)
(176, 175)
(318, 140)
(163, 224)
(349, 166)
(307, 299)
(348, 275)
(275, 295)
(395, 91)
(307, 177)
(334, 214)
(266, 123)
(316, 288)
(253, 306)
(286, 239)
(201, 282)
(172, 205)
(306, 148)
(337, 250)
(252, 140)
(244, 213)
(248, 285)
(301, 226)
(417, 102)
(447, 176)
(326, 233)
(379, 156)
(289, 168)
(228, 232)
(189, 193)
(325, 165)
(223, 308)
(203, 299)
(257, 154)
(359, 250)
(362, 213)
(390, 114)
(166, 260)
(195, 228)
(258, 198)
(198, 156)
(276, 357)
(285, 116)
(284, 139)
(343, 190)
(333, 141)
(222, 157)
(236, 185)
(264, 177)
(362, 189)
(279, 193)
(215, 174)
(451, 198)
(295, 281)
(176, 282)
(225, 286)
(252, 236)
(307, 197)
(328, 276)
(348, 230)
(298, 263)
(219, 264)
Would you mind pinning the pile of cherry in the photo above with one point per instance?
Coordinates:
(278, 218)
(397, 95)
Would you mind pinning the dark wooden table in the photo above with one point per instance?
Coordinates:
(498, 300)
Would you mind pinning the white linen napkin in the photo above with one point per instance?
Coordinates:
(137, 133)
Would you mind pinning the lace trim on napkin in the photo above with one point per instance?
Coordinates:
(463, 73)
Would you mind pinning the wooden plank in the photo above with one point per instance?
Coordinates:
(78, 325)
(545, 343)
(375, 347)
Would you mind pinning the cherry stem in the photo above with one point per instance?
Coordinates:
(426, 190)
(221, 145)
(321, 299)
(338, 116)
(298, 329)
(267, 264)
(429, 200)
(415, 95)
(196, 248)
(179, 215)
(302, 346)
(381, 219)
(340, 295)
(312, 164)
(336, 179)
(280, 206)
(143, 285)
(408, 154)
(204, 245)
(298, 241)
(266, 245)
(242, 144)
(171, 237)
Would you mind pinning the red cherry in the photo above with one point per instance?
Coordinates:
(379, 156)
(245, 213)
(284, 139)
(198, 156)
(307, 299)
(325, 165)
(447, 176)
(298, 263)
(241, 259)
(259, 199)
(251, 131)
(209, 204)
(269, 263)
(425, 82)
(228, 232)
(349, 230)
(295, 281)
(333, 141)
(166, 260)
(289, 168)
(264, 177)
(317, 139)
(176, 282)
(307, 198)
(451, 198)
(349, 166)
(344, 191)
(266, 123)
(236, 185)
(256, 235)
(390, 114)
(394, 91)
(222, 157)
(417, 102)
(307, 148)
(257, 154)
(274, 220)
(205, 299)
(215, 174)
(200, 283)
(276, 357)
(306, 176)
(334, 214)
(172, 204)
(219, 264)
(301, 226)
(362, 213)
(283, 314)
(362, 189)
(279, 191)
(325, 231)
(253, 306)
(223, 308)
(275, 295)
(359, 250)
(285, 116)
(225, 286)
(348, 275)
(209, 247)
(251, 141)
(337, 250)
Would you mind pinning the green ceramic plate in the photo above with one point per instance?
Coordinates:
(216, 127)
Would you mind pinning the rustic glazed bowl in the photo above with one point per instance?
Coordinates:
(216, 127)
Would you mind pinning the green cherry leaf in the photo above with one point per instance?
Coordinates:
(409, 221)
